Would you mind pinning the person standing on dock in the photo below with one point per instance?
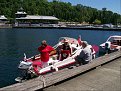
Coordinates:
(46, 51)
(85, 55)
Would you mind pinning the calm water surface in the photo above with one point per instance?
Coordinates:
(15, 42)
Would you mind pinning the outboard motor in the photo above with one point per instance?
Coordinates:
(24, 65)
(24, 68)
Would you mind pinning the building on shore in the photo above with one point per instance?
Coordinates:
(3, 19)
(4, 23)
(24, 20)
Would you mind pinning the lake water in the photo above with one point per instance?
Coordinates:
(15, 42)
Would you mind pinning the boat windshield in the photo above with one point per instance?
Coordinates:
(111, 39)
(115, 40)
(61, 39)
(70, 40)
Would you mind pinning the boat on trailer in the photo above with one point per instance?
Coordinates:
(113, 42)
(54, 64)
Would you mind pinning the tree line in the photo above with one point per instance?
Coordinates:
(65, 11)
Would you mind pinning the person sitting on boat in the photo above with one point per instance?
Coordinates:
(65, 50)
(46, 51)
(85, 55)
(108, 47)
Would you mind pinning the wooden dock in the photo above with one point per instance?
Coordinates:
(55, 77)
(103, 78)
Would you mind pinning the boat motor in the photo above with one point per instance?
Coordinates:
(24, 65)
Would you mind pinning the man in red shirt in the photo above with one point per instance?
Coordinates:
(46, 51)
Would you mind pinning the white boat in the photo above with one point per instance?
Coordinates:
(113, 42)
(54, 64)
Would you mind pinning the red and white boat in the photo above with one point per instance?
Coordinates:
(113, 42)
(53, 64)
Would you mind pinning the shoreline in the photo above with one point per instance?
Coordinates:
(82, 28)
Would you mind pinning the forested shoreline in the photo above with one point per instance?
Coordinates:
(64, 11)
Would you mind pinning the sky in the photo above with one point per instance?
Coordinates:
(112, 5)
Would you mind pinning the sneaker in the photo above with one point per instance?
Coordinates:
(77, 65)
(70, 67)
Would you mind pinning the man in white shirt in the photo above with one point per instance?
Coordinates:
(85, 55)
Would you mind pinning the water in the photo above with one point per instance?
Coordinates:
(15, 42)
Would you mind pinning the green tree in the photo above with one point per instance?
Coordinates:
(97, 21)
(62, 10)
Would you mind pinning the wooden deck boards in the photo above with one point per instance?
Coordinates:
(103, 78)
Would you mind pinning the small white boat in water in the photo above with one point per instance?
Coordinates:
(113, 43)
(54, 64)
